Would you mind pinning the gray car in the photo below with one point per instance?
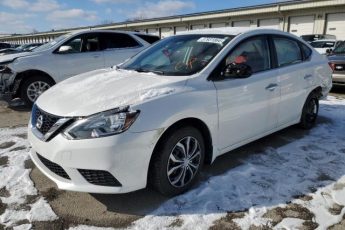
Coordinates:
(337, 63)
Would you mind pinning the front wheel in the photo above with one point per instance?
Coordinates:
(177, 161)
(310, 112)
(33, 87)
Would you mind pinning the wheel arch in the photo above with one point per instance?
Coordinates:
(317, 91)
(26, 75)
(196, 123)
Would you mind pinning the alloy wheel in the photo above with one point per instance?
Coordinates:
(35, 89)
(184, 162)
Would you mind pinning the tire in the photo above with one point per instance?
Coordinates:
(310, 112)
(171, 175)
(41, 83)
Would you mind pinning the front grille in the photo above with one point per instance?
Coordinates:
(55, 168)
(98, 177)
(48, 120)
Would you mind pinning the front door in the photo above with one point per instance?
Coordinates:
(248, 106)
(84, 54)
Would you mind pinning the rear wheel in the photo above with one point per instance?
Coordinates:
(177, 161)
(33, 87)
(310, 111)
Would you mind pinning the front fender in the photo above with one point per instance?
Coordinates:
(193, 102)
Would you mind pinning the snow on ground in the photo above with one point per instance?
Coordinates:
(16, 185)
(312, 166)
(269, 179)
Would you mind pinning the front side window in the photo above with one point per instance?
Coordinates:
(75, 44)
(179, 55)
(83, 43)
(253, 52)
(288, 51)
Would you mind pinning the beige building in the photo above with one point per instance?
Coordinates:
(297, 17)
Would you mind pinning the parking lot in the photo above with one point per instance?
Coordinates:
(288, 179)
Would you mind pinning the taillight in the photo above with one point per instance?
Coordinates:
(332, 65)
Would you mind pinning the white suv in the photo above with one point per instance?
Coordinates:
(157, 118)
(27, 75)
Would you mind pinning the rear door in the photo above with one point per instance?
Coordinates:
(248, 106)
(296, 77)
(85, 55)
(118, 47)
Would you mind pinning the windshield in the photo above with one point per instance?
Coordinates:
(340, 48)
(51, 43)
(322, 44)
(178, 55)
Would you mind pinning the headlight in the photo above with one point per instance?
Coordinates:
(101, 125)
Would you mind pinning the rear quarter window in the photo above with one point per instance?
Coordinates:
(306, 51)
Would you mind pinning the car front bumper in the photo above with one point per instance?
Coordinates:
(125, 156)
(8, 85)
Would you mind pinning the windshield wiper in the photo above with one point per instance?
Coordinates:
(140, 70)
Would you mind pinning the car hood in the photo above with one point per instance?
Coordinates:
(106, 89)
(11, 57)
(337, 57)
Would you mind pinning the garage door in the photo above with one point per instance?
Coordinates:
(302, 25)
(197, 27)
(336, 25)
(179, 29)
(218, 25)
(241, 24)
(153, 31)
(166, 32)
(271, 23)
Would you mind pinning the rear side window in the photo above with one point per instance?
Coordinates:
(118, 40)
(148, 38)
(288, 51)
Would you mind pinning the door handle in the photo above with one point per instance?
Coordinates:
(96, 56)
(271, 87)
(307, 76)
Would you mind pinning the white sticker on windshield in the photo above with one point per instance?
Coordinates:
(212, 40)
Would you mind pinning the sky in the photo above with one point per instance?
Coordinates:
(27, 16)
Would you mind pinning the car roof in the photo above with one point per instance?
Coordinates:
(107, 31)
(231, 30)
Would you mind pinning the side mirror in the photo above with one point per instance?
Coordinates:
(235, 70)
(329, 51)
(65, 49)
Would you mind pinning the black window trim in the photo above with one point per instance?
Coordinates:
(215, 74)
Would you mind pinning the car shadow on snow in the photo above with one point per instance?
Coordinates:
(273, 170)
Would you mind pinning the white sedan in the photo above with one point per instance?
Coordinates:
(159, 117)
(324, 46)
